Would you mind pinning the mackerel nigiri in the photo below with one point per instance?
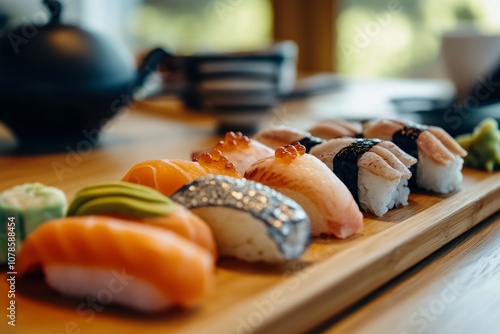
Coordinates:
(305, 179)
(249, 221)
(83, 256)
(168, 176)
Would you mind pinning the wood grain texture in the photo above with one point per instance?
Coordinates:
(332, 275)
(455, 290)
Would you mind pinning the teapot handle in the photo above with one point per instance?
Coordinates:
(149, 65)
(55, 9)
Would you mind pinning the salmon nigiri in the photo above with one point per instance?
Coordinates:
(142, 267)
(134, 202)
(168, 176)
(305, 179)
(188, 225)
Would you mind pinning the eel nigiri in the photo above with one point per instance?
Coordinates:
(168, 176)
(142, 204)
(141, 267)
(308, 181)
(439, 156)
(250, 221)
(375, 171)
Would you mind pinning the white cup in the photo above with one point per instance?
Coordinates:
(469, 56)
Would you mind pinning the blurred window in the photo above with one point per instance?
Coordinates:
(402, 37)
(189, 26)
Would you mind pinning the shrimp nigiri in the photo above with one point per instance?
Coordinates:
(439, 155)
(375, 171)
(142, 267)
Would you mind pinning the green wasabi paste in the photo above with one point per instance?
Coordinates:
(483, 146)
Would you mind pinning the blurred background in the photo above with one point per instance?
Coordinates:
(390, 38)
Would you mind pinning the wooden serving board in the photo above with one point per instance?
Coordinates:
(332, 275)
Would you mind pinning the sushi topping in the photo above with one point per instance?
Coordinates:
(288, 153)
(217, 159)
(406, 138)
(122, 199)
(232, 141)
(281, 215)
(345, 163)
(310, 141)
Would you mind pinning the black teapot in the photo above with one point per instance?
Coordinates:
(59, 82)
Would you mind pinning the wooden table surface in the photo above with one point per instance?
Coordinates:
(455, 290)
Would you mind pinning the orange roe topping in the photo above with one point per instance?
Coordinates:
(289, 153)
(205, 158)
(233, 141)
(216, 159)
(301, 149)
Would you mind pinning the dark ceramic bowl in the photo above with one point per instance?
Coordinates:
(454, 120)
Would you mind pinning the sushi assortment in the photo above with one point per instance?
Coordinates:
(260, 199)
(436, 165)
(120, 226)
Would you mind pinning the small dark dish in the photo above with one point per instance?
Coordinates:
(457, 117)
(454, 119)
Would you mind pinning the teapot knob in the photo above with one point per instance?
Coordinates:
(55, 9)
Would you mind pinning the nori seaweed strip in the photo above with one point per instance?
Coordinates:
(406, 139)
(345, 163)
(310, 141)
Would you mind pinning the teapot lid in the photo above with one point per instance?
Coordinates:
(58, 60)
